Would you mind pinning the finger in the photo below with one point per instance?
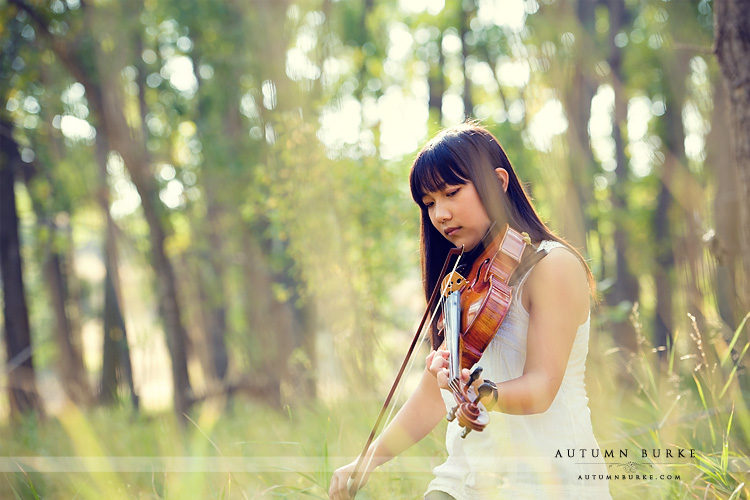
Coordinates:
(442, 378)
(428, 359)
(338, 489)
(438, 363)
(332, 488)
(351, 484)
(334, 492)
(340, 493)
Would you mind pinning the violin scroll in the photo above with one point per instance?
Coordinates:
(472, 416)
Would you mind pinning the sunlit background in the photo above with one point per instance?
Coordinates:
(215, 222)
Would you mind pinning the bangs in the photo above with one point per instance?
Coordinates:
(434, 169)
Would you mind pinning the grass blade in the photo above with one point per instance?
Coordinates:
(736, 336)
(734, 370)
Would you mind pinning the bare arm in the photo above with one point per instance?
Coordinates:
(420, 414)
(556, 295)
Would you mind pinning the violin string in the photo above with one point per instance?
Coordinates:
(452, 358)
(409, 366)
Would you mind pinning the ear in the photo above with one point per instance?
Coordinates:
(502, 174)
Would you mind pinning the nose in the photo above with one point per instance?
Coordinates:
(442, 213)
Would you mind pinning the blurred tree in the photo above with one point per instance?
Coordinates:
(667, 232)
(724, 241)
(21, 377)
(625, 289)
(51, 199)
(22, 389)
(578, 90)
(467, 12)
(732, 46)
(117, 369)
(57, 270)
(89, 60)
(257, 137)
(219, 129)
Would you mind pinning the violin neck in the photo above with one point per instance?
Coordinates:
(452, 310)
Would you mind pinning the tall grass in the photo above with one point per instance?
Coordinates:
(245, 451)
(688, 395)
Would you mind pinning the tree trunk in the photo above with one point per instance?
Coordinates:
(55, 246)
(121, 137)
(436, 83)
(22, 389)
(578, 96)
(467, 8)
(101, 86)
(117, 369)
(69, 356)
(732, 47)
(70, 362)
(724, 243)
(210, 282)
(265, 323)
(625, 290)
(673, 169)
(664, 269)
(216, 299)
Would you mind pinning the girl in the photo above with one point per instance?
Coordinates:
(466, 189)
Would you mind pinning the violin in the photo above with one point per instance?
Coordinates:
(474, 308)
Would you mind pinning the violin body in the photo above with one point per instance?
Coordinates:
(485, 296)
(486, 299)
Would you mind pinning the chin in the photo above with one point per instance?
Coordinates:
(468, 247)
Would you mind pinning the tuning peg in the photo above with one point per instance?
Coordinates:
(452, 414)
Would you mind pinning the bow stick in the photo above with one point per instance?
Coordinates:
(435, 292)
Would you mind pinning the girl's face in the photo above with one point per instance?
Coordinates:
(458, 214)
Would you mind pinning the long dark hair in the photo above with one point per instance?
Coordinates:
(470, 153)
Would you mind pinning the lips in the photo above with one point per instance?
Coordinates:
(451, 231)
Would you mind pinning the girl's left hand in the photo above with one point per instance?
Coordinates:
(437, 364)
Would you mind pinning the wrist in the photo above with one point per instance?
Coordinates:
(488, 394)
(377, 456)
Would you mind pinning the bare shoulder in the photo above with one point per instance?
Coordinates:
(559, 278)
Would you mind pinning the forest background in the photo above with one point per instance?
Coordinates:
(209, 253)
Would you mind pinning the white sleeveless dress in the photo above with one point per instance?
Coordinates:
(526, 456)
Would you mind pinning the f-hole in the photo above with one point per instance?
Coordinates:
(481, 267)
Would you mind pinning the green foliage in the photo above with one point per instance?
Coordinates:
(242, 451)
(689, 397)
(229, 102)
(669, 400)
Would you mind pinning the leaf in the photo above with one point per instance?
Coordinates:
(734, 370)
(15, 493)
(736, 491)
(737, 332)
(705, 406)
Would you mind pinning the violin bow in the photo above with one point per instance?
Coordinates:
(435, 292)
